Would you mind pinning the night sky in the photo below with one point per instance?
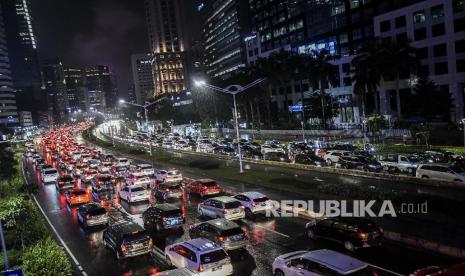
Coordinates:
(92, 32)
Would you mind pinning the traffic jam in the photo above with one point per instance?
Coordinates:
(185, 226)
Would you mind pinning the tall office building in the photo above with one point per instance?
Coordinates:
(168, 45)
(226, 24)
(76, 89)
(142, 76)
(22, 45)
(55, 87)
(101, 91)
(8, 109)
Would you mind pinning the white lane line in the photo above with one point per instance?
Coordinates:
(273, 231)
(384, 269)
(60, 238)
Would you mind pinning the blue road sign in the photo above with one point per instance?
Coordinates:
(295, 108)
(16, 272)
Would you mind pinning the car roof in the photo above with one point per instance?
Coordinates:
(224, 199)
(127, 226)
(166, 207)
(445, 165)
(223, 224)
(253, 195)
(205, 180)
(201, 245)
(144, 165)
(336, 261)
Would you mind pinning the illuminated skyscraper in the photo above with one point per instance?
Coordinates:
(143, 77)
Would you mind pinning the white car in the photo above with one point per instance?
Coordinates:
(167, 145)
(318, 262)
(201, 255)
(147, 169)
(332, 156)
(221, 207)
(123, 161)
(93, 163)
(444, 172)
(134, 194)
(254, 203)
(138, 179)
(265, 149)
(168, 176)
(104, 167)
(49, 175)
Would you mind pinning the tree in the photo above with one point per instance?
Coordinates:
(316, 110)
(46, 258)
(426, 93)
(7, 161)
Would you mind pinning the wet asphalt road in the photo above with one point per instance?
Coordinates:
(268, 238)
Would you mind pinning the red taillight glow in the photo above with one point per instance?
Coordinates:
(381, 230)
(362, 235)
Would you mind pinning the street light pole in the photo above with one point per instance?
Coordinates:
(145, 107)
(5, 253)
(233, 90)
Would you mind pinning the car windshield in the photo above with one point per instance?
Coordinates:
(173, 173)
(171, 213)
(104, 178)
(232, 205)
(261, 199)
(209, 184)
(78, 193)
(232, 232)
(50, 171)
(137, 189)
(97, 211)
(66, 178)
(212, 257)
(458, 169)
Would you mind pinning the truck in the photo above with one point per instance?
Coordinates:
(394, 162)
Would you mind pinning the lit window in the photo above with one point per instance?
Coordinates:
(419, 16)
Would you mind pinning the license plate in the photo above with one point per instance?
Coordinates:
(217, 268)
(137, 245)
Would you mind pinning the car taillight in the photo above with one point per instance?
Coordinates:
(164, 218)
(222, 238)
(88, 216)
(200, 268)
(381, 230)
(225, 211)
(123, 247)
(167, 190)
(362, 235)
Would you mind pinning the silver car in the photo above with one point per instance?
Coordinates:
(221, 207)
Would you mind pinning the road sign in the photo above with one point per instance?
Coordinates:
(295, 108)
(16, 272)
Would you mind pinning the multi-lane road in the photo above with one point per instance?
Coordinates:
(268, 237)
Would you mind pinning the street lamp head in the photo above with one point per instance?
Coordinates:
(199, 83)
(122, 101)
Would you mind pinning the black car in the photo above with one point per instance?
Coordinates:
(92, 214)
(276, 156)
(224, 150)
(370, 163)
(248, 151)
(164, 216)
(221, 231)
(127, 239)
(39, 163)
(65, 182)
(168, 190)
(353, 233)
(102, 182)
(351, 162)
(348, 147)
(309, 159)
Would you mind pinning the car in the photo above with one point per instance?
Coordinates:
(147, 169)
(221, 207)
(224, 150)
(138, 179)
(92, 214)
(353, 233)
(332, 156)
(454, 270)
(119, 170)
(319, 262)
(127, 239)
(276, 156)
(88, 175)
(443, 172)
(271, 148)
(167, 145)
(254, 203)
(105, 167)
(168, 176)
(350, 162)
(102, 182)
(221, 231)
(80, 168)
(133, 194)
(49, 175)
(248, 151)
(163, 216)
(65, 182)
(309, 159)
(39, 163)
(122, 161)
(93, 163)
(77, 196)
(204, 187)
(201, 255)
(168, 190)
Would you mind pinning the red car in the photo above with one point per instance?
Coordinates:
(77, 196)
(204, 187)
(456, 270)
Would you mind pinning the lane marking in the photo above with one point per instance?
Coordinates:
(273, 231)
(81, 269)
(384, 269)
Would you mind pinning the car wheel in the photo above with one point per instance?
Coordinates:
(410, 171)
(424, 176)
(311, 234)
(329, 162)
(200, 213)
(168, 261)
(249, 214)
(349, 246)
(279, 272)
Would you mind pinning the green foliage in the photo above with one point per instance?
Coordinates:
(317, 102)
(425, 94)
(7, 161)
(21, 218)
(376, 122)
(47, 259)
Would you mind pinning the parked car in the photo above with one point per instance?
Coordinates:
(133, 194)
(204, 187)
(92, 214)
(127, 239)
(221, 207)
(333, 156)
(65, 182)
(168, 176)
(309, 159)
(200, 255)
(220, 231)
(392, 162)
(254, 203)
(454, 270)
(276, 156)
(49, 175)
(168, 190)
(353, 233)
(444, 172)
(122, 161)
(319, 262)
(269, 148)
(163, 216)
(77, 196)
